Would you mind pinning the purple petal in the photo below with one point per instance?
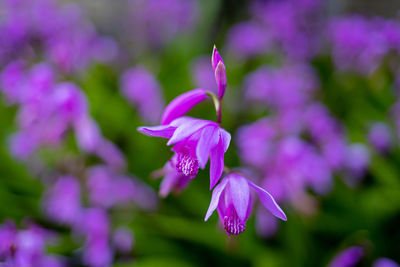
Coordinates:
(209, 138)
(225, 138)
(182, 104)
(220, 78)
(240, 194)
(216, 164)
(215, 198)
(269, 202)
(167, 184)
(215, 58)
(165, 131)
(187, 129)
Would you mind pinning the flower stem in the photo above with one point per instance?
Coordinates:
(218, 106)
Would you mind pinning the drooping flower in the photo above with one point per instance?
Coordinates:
(384, 262)
(233, 200)
(123, 239)
(62, 202)
(194, 141)
(143, 91)
(380, 137)
(347, 258)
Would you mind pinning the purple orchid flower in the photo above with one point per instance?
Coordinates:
(234, 202)
(384, 262)
(219, 72)
(347, 258)
(194, 141)
(380, 137)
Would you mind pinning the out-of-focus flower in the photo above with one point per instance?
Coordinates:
(108, 188)
(292, 26)
(123, 239)
(380, 137)
(248, 39)
(233, 199)
(357, 160)
(285, 88)
(172, 179)
(347, 258)
(11, 81)
(95, 226)
(62, 202)
(266, 224)
(203, 75)
(357, 44)
(70, 41)
(194, 141)
(384, 262)
(156, 22)
(25, 247)
(143, 91)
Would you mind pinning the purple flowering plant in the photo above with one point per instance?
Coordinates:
(195, 141)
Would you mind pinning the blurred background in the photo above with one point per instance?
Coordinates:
(312, 105)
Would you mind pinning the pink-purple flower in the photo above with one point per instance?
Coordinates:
(194, 141)
(233, 200)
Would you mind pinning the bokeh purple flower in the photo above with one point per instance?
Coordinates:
(143, 91)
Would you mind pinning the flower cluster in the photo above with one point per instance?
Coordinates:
(50, 109)
(26, 247)
(69, 41)
(194, 142)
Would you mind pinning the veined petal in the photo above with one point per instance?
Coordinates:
(216, 164)
(165, 131)
(187, 129)
(269, 202)
(240, 195)
(215, 58)
(225, 139)
(209, 138)
(215, 198)
(220, 78)
(182, 104)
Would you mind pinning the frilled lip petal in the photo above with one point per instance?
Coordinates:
(165, 131)
(215, 198)
(182, 104)
(269, 202)
(240, 194)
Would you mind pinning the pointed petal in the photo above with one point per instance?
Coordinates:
(239, 192)
(187, 129)
(215, 58)
(167, 184)
(215, 198)
(220, 78)
(165, 131)
(225, 138)
(269, 202)
(209, 138)
(216, 164)
(182, 104)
